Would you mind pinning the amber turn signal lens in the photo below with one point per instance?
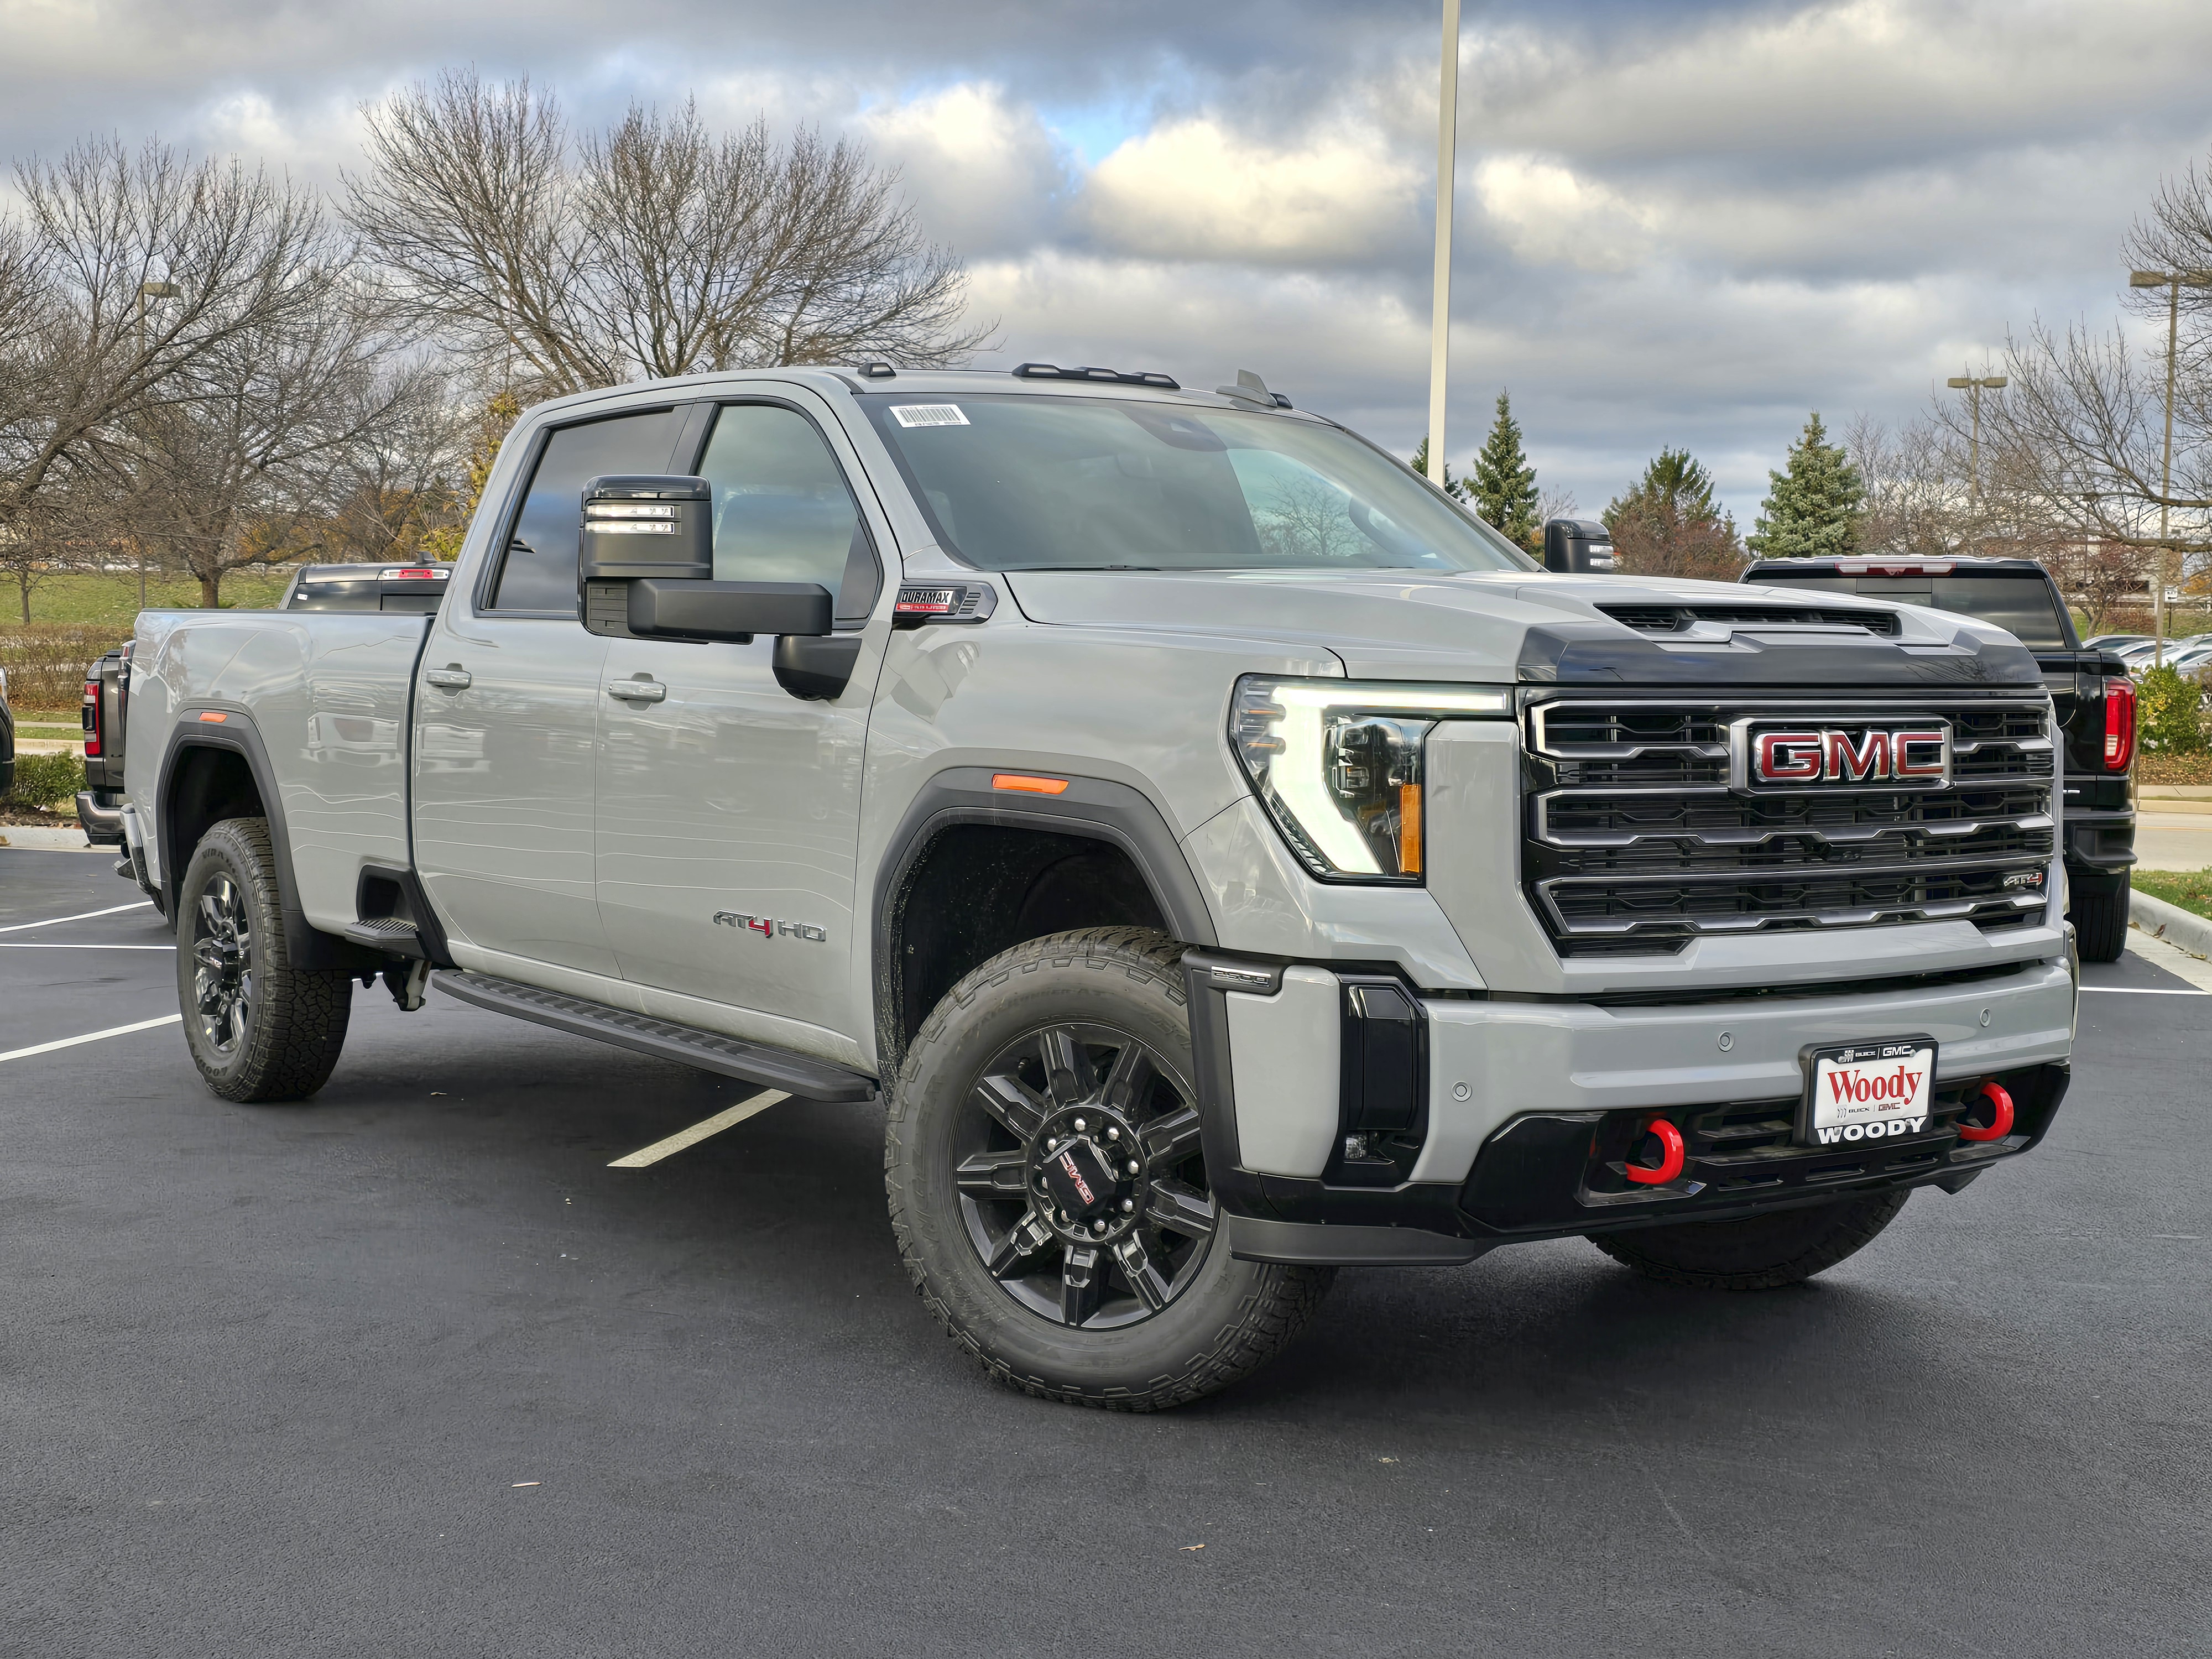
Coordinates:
(1029, 785)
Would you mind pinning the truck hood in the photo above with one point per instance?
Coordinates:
(1536, 627)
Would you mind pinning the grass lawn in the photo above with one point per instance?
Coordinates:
(83, 596)
(2192, 893)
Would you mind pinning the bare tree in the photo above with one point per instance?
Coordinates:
(654, 249)
(1917, 503)
(155, 264)
(242, 471)
(392, 492)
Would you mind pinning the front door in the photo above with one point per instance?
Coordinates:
(729, 809)
(508, 704)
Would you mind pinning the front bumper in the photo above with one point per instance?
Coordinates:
(1523, 1104)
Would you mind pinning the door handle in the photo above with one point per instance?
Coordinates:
(448, 679)
(637, 691)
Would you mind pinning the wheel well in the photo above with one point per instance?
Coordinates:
(980, 889)
(206, 786)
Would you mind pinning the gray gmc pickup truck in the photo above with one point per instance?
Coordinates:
(1225, 857)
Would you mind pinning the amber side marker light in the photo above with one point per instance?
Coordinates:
(1029, 785)
(213, 717)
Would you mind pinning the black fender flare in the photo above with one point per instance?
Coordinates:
(1096, 808)
(307, 945)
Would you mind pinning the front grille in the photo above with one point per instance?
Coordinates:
(1680, 618)
(1642, 830)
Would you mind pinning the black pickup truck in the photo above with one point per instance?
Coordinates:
(2095, 704)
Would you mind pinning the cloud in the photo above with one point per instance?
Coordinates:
(1197, 189)
(1548, 216)
(983, 172)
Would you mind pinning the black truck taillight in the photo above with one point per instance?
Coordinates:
(2119, 723)
(92, 719)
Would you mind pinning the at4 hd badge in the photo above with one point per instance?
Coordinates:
(768, 928)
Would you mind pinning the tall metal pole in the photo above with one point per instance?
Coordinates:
(1440, 303)
(2166, 469)
(1974, 451)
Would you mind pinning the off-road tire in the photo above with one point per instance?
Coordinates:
(2100, 922)
(1759, 1253)
(295, 1020)
(1233, 1317)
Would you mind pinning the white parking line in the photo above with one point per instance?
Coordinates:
(29, 944)
(2140, 991)
(692, 1136)
(82, 915)
(92, 1037)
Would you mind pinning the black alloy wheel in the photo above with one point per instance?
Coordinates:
(1081, 1184)
(259, 1027)
(1048, 1185)
(222, 964)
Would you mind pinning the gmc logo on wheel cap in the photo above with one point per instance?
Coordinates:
(1914, 757)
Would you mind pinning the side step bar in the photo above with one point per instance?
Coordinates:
(795, 1074)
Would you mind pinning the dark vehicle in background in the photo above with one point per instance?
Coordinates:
(2095, 699)
(99, 803)
(416, 589)
(7, 739)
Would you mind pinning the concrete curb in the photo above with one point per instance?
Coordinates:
(37, 838)
(2170, 922)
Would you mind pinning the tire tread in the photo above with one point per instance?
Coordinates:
(1266, 1320)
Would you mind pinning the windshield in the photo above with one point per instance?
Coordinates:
(2021, 605)
(1024, 482)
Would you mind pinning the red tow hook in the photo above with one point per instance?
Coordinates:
(2000, 1123)
(1672, 1153)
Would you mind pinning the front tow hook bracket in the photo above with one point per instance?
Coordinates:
(1672, 1156)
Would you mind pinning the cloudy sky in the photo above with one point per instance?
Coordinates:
(1678, 223)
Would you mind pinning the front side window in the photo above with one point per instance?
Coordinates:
(539, 572)
(783, 511)
(1015, 482)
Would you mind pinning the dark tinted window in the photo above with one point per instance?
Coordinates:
(782, 512)
(539, 571)
(335, 596)
(2022, 604)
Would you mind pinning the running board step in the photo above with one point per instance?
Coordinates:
(710, 1051)
(388, 934)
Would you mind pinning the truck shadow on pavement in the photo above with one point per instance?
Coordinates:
(782, 1219)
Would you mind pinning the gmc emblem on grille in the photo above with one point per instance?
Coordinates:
(1914, 757)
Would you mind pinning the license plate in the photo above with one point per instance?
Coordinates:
(1862, 1092)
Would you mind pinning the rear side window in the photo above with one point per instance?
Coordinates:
(783, 511)
(2022, 605)
(539, 572)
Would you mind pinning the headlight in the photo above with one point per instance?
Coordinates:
(1338, 764)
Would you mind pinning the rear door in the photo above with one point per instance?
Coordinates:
(507, 704)
(728, 808)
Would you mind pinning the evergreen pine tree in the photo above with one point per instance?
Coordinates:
(1812, 509)
(1668, 524)
(1505, 484)
(1674, 486)
(1455, 485)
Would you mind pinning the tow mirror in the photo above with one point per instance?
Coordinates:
(678, 610)
(646, 564)
(1579, 545)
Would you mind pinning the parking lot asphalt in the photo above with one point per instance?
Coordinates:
(408, 1371)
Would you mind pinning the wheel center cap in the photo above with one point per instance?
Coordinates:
(1082, 1182)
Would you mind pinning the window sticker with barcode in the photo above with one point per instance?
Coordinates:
(928, 415)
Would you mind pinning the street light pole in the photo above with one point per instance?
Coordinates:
(2173, 282)
(1972, 387)
(1440, 301)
